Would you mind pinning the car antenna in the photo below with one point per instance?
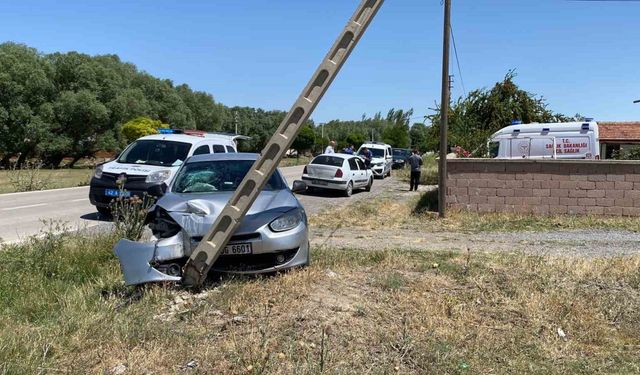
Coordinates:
(208, 250)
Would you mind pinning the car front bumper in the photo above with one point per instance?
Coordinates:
(378, 170)
(98, 186)
(272, 251)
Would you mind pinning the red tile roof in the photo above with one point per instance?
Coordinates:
(619, 131)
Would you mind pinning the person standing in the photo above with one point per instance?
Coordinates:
(367, 155)
(415, 161)
(329, 149)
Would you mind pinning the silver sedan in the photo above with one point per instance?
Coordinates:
(273, 236)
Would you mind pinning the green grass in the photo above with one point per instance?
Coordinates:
(54, 178)
(429, 174)
(64, 309)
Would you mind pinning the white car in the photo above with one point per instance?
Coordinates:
(337, 172)
(153, 160)
(382, 159)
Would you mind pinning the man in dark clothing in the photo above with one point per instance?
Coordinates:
(367, 155)
(415, 161)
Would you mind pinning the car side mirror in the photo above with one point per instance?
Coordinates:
(158, 190)
(299, 186)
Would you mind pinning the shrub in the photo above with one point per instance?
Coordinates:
(141, 126)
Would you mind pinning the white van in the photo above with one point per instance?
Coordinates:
(153, 160)
(567, 140)
(382, 158)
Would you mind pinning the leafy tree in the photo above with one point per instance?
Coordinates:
(26, 91)
(356, 139)
(141, 126)
(473, 119)
(305, 139)
(419, 135)
(81, 117)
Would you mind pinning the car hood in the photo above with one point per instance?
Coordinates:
(195, 213)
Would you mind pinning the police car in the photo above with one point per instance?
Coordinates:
(151, 161)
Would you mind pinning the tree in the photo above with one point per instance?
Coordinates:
(473, 119)
(356, 139)
(81, 118)
(419, 136)
(305, 139)
(141, 126)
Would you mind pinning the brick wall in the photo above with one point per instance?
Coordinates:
(602, 187)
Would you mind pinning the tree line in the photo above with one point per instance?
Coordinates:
(71, 104)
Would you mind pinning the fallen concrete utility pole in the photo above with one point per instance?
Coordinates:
(207, 252)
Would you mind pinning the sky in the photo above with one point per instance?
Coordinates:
(582, 56)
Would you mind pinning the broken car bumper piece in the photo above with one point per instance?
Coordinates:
(134, 260)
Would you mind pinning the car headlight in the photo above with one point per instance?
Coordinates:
(158, 176)
(98, 172)
(287, 221)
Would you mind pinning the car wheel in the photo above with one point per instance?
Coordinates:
(349, 190)
(368, 188)
(104, 211)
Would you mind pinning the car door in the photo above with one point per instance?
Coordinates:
(364, 172)
(354, 171)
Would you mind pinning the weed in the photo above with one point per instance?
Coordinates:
(129, 214)
(29, 177)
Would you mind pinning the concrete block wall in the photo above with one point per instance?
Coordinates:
(598, 187)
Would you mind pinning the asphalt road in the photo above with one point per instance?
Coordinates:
(26, 214)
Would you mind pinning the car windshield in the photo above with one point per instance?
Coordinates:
(376, 152)
(155, 152)
(328, 160)
(400, 152)
(219, 175)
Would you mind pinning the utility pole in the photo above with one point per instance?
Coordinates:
(235, 120)
(230, 217)
(444, 112)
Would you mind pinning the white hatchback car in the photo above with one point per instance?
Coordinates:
(338, 172)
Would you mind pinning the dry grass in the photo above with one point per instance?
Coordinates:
(291, 162)
(396, 212)
(64, 309)
(58, 178)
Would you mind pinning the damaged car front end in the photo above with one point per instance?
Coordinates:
(273, 236)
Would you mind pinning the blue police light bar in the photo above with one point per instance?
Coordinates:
(166, 131)
(585, 126)
(545, 130)
(588, 119)
(516, 122)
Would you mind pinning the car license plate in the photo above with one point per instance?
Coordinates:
(117, 193)
(319, 182)
(238, 249)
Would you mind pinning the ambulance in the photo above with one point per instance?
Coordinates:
(566, 140)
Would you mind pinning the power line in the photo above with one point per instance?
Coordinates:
(455, 51)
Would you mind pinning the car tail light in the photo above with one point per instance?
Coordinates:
(338, 173)
(305, 170)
